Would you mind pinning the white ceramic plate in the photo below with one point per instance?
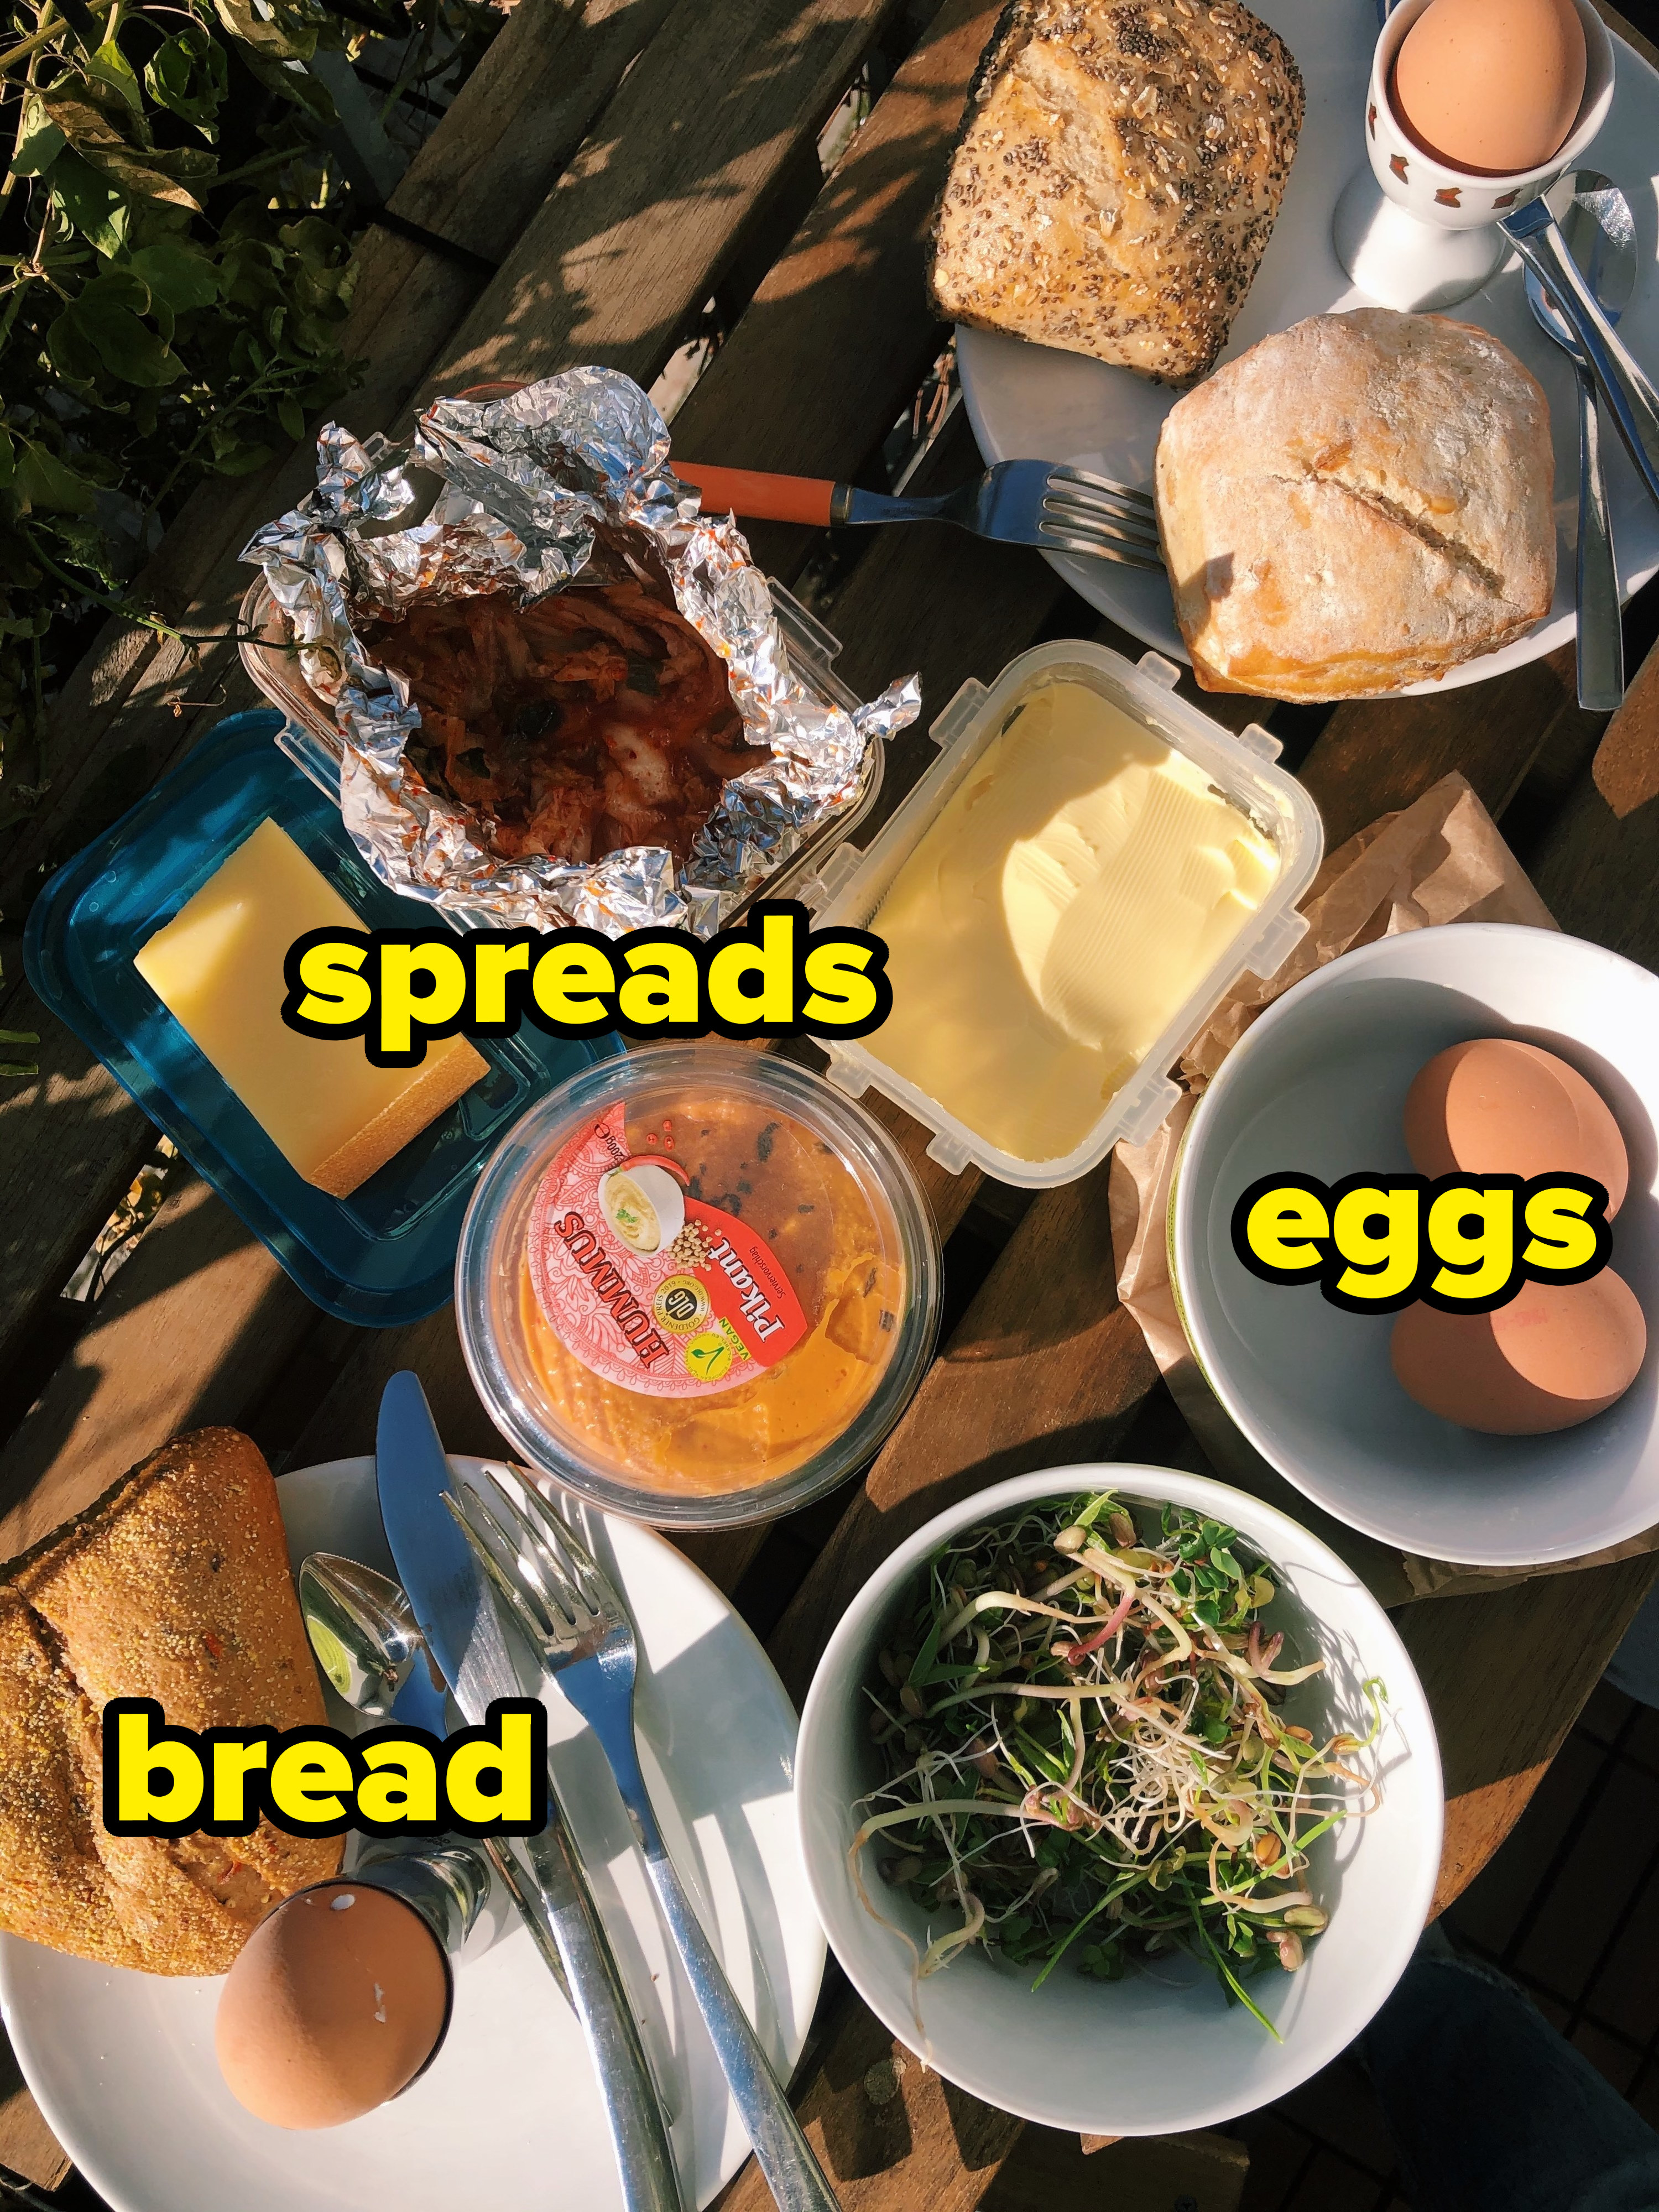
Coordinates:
(1144, 2056)
(509, 2116)
(1318, 1085)
(1030, 402)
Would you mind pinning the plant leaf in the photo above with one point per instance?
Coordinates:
(177, 272)
(190, 75)
(105, 316)
(42, 480)
(233, 459)
(140, 176)
(84, 542)
(280, 42)
(110, 66)
(41, 142)
(90, 204)
(295, 84)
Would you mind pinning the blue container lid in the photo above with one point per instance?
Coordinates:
(387, 1253)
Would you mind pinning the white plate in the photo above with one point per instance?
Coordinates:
(1030, 402)
(1156, 2052)
(509, 2116)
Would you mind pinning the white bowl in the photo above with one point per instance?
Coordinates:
(1317, 1086)
(1140, 2057)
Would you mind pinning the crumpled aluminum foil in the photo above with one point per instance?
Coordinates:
(526, 482)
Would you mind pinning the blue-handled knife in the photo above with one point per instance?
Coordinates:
(463, 1631)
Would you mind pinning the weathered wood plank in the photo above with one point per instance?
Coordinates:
(197, 1323)
(1378, 753)
(70, 1142)
(893, 2136)
(1627, 765)
(839, 336)
(27, 2145)
(1597, 864)
(1506, 1673)
(1044, 1368)
(615, 264)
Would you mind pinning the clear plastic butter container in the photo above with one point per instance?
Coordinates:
(850, 887)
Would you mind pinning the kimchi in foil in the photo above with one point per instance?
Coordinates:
(563, 695)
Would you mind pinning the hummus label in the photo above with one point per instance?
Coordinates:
(647, 1285)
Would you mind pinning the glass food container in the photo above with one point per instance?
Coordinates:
(698, 1286)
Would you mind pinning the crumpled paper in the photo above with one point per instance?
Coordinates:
(565, 482)
(1440, 860)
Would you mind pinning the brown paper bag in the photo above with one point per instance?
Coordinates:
(1441, 859)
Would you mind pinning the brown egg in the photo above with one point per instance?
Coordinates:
(1497, 1107)
(1492, 86)
(1556, 1355)
(334, 2003)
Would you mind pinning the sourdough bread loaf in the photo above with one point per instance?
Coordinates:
(175, 1586)
(1356, 503)
(1118, 175)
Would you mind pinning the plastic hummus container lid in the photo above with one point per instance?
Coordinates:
(697, 1285)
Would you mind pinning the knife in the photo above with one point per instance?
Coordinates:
(457, 1617)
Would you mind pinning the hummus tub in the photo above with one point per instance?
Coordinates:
(700, 1291)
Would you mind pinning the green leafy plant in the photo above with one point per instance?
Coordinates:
(173, 278)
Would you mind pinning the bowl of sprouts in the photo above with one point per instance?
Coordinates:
(1119, 1799)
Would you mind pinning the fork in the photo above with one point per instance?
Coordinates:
(573, 1618)
(1059, 508)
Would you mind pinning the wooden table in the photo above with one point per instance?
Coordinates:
(622, 162)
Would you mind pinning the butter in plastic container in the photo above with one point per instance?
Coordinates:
(1066, 897)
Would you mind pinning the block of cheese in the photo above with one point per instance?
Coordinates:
(217, 967)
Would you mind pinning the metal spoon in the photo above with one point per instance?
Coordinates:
(1631, 398)
(367, 1643)
(1596, 229)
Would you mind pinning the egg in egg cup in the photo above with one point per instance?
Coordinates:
(1415, 233)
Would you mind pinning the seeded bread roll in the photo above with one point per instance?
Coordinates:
(1117, 179)
(175, 1586)
(1356, 503)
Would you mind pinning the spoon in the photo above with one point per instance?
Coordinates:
(367, 1641)
(1632, 399)
(1595, 230)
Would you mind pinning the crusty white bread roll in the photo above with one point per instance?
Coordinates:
(1117, 178)
(1356, 503)
(175, 1586)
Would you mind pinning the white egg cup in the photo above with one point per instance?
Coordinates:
(1416, 234)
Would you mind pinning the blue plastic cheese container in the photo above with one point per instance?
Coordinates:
(387, 1253)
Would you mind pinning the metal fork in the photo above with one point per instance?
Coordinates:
(568, 1608)
(1059, 509)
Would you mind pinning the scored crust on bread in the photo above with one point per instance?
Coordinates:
(1117, 179)
(1356, 503)
(175, 1586)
